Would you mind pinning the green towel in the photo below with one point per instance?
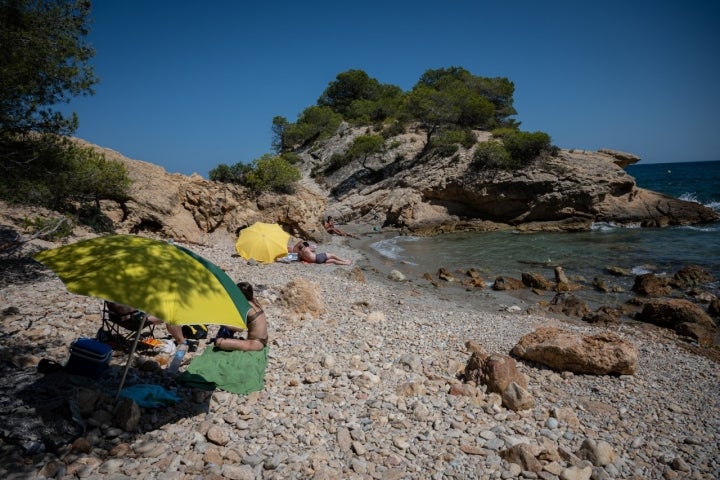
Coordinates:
(235, 371)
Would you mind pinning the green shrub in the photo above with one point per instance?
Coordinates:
(393, 129)
(464, 137)
(291, 157)
(366, 145)
(445, 150)
(315, 123)
(503, 132)
(447, 142)
(492, 155)
(469, 139)
(524, 147)
(272, 173)
(230, 174)
(56, 172)
(49, 228)
(336, 162)
(91, 176)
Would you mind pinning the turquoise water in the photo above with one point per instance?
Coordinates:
(582, 255)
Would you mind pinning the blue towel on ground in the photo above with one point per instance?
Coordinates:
(150, 396)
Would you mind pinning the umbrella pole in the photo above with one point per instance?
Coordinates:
(132, 352)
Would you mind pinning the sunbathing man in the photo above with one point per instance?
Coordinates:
(307, 255)
(296, 248)
(331, 228)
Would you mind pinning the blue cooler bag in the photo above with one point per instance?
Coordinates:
(88, 357)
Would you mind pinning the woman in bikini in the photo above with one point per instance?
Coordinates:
(256, 321)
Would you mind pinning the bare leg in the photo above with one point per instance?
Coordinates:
(176, 333)
(335, 260)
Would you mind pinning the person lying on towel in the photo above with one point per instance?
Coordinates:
(307, 255)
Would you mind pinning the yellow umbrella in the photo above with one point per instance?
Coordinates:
(159, 278)
(264, 242)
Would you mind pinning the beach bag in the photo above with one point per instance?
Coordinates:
(195, 332)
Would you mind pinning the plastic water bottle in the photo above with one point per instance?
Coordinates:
(178, 358)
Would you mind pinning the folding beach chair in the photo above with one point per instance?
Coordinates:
(119, 330)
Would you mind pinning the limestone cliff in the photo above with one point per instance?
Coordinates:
(436, 194)
(403, 189)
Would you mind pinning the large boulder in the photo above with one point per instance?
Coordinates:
(568, 304)
(702, 334)
(690, 276)
(561, 350)
(622, 159)
(714, 308)
(499, 373)
(302, 298)
(535, 280)
(522, 454)
(517, 398)
(495, 371)
(671, 312)
(651, 285)
(507, 283)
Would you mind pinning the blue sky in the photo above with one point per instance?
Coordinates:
(189, 85)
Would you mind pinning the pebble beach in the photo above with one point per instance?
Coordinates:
(362, 389)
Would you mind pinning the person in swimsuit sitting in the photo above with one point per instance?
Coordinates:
(256, 321)
(331, 228)
(307, 255)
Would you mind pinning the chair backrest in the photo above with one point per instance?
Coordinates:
(124, 316)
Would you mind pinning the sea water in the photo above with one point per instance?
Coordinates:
(584, 256)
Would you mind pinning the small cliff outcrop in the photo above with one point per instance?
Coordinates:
(196, 210)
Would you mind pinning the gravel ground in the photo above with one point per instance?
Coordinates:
(361, 391)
